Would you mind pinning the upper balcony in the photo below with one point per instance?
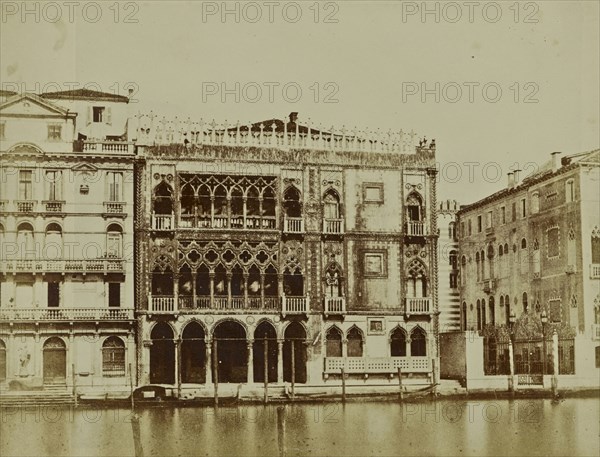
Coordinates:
(334, 306)
(169, 304)
(416, 228)
(595, 271)
(103, 147)
(596, 332)
(418, 306)
(167, 222)
(54, 207)
(489, 285)
(66, 314)
(333, 226)
(114, 209)
(293, 225)
(25, 206)
(103, 266)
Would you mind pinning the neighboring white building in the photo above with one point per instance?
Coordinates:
(449, 295)
(66, 233)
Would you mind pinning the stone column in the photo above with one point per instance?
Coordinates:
(344, 347)
(249, 345)
(211, 276)
(279, 361)
(175, 291)
(194, 303)
(177, 343)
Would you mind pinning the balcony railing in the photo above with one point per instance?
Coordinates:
(226, 222)
(333, 226)
(335, 305)
(3, 204)
(166, 303)
(25, 206)
(294, 305)
(595, 270)
(596, 332)
(162, 303)
(377, 365)
(489, 285)
(162, 222)
(63, 266)
(114, 207)
(418, 306)
(66, 314)
(293, 225)
(53, 206)
(113, 147)
(415, 228)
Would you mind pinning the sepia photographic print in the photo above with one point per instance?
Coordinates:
(299, 228)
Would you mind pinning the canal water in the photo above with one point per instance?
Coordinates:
(444, 427)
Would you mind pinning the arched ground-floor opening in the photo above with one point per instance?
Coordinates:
(193, 354)
(2, 361)
(294, 353)
(54, 361)
(265, 336)
(232, 352)
(162, 355)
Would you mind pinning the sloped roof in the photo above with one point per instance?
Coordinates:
(85, 94)
(38, 100)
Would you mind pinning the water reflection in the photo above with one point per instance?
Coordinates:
(532, 427)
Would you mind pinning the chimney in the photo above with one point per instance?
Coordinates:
(517, 177)
(555, 162)
(511, 180)
(293, 117)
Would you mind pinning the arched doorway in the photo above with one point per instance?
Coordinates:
(232, 355)
(162, 355)
(293, 346)
(193, 354)
(2, 361)
(55, 361)
(265, 334)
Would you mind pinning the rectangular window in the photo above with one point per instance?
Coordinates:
(2, 130)
(596, 249)
(570, 191)
(503, 214)
(553, 242)
(514, 211)
(462, 229)
(489, 219)
(53, 185)
(375, 264)
(479, 228)
(470, 227)
(373, 192)
(53, 294)
(54, 132)
(554, 306)
(25, 184)
(114, 182)
(523, 208)
(114, 294)
(98, 112)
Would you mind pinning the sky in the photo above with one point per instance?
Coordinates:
(499, 85)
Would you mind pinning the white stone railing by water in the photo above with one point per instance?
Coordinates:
(418, 305)
(65, 314)
(294, 305)
(377, 365)
(293, 224)
(335, 305)
(62, 266)
(150, 130)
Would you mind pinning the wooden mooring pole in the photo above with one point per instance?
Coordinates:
(293, 342)
(74, 376)
(343, 386)
(266, 370)
(281, 430)
(215, 365)
(131, 388)
(400, 393)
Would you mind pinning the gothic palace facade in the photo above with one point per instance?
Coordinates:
(321, 247)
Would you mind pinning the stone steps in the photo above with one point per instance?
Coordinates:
(53, 396)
